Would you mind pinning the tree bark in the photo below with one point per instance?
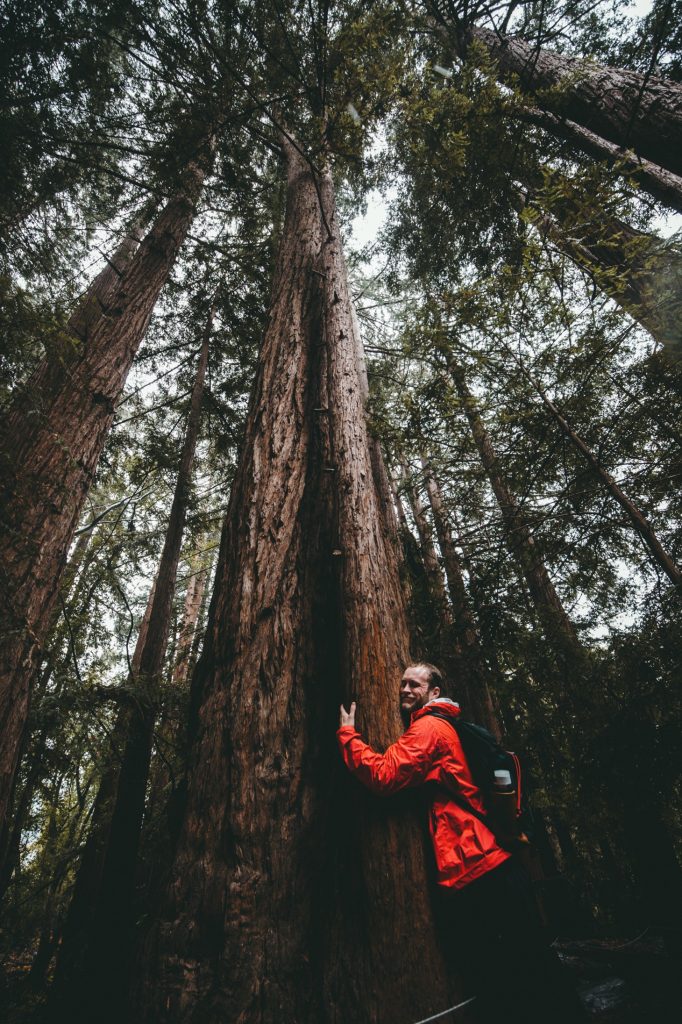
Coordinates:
(662, 185)
(188, 627)
(279, 908)
(55, 455)
(556, 622)
(65, 996)
(474, 669)
(631, 110)
(107, 939)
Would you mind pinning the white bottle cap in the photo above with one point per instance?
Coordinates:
(503, 778)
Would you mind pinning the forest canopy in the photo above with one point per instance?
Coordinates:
(335, 336)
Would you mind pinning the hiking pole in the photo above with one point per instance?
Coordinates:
(444, 1013)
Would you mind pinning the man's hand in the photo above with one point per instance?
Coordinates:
(348, 717)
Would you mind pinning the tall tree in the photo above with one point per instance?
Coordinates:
(642, 112)
(556, 622)
(54, 457)
(105, 939)
(307, 610)
(639, 522)
(475, 671)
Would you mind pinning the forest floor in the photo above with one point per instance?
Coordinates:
(620, 982)
(624, 982)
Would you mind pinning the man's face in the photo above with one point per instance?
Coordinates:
(414, 690)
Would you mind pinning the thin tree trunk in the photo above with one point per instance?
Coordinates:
(476, 681)
(634, 111)
(103, 984)
(662, 185)
(431, 562)
(632, 267)
(55, 457)
(280, 907)
(640, 523)
(556, 622)
(428, 610)
(65, 993)
(188, 626)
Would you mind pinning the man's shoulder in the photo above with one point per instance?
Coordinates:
(433, 725)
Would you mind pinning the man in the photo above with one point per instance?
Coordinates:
(488, 896)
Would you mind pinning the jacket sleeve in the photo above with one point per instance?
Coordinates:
(405, 763)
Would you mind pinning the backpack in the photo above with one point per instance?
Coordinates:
(507, 814)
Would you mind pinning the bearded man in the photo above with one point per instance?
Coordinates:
(488, 895)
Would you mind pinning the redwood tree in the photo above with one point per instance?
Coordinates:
(95, 956)
(279, 907)
(632, 110)
(54, 455)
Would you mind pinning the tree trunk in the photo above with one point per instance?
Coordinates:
(108, 945)
(662, 185)
(640, 523)
(632, 267)
(280, 907)
(65, 997)
(188, 627)
(55, 456)
(634, 111)
(556, 622)
(474, 669)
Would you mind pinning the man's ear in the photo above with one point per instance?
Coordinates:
(435, 690)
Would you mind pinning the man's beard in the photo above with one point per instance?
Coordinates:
(406, 713)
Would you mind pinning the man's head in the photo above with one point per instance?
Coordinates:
(420, 684)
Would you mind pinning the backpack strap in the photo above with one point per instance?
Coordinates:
(458, 797)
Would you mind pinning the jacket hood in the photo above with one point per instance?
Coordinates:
(444, 705)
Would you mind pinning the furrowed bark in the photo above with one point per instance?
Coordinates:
(661, 184)
(631, 110)
(107, 940)
(55, 455)
(279, 909)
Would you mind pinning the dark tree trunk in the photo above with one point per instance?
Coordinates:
(556, 622)
(638, 112)
(188, 628)
(639, 522)
(65, 997)
(473, 665)
(108, 938)
(281, 908)
(632, 267)
(662, 185)
(55, 454)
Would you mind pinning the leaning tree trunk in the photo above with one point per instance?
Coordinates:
(281, 908)
(638, 520)
(472, 659)
(107, 938)
(634, 111)
(555, 620)
(662, 185)
(55, 456)
(636, 269)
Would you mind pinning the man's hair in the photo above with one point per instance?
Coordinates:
(436, 677)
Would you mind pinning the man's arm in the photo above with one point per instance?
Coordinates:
(405, 763)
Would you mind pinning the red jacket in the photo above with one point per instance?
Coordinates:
(430, 751)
